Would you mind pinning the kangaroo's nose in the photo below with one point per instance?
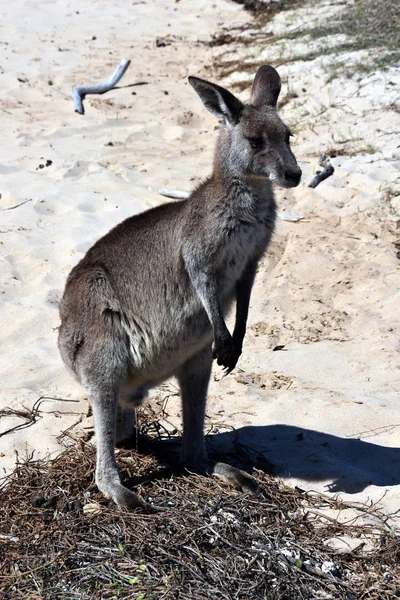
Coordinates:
(293, 176)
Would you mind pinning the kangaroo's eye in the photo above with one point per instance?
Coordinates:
(256, 142)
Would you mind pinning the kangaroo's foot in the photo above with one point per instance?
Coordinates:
(235, 477)
(124, 498)
(227, 473)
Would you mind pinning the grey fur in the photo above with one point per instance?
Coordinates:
(148, 299)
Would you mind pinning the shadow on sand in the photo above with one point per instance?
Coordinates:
(345, 464)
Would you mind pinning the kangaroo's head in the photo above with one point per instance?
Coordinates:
(254, 141)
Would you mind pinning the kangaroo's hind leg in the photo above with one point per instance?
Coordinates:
(103, 372)
(128, 401)
(193, 377)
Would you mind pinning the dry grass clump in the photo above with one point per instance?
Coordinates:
(60, 539)
(371, 25)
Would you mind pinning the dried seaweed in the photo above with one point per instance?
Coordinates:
(60, 539)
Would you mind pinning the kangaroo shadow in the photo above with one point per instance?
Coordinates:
(345, 464)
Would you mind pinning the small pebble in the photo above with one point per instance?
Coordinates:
(214, 519)
(330, 567)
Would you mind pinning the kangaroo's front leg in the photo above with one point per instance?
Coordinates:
(205, 284)
(224, 348)
(243, 293)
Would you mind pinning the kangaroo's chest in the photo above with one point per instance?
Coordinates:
(247, 237)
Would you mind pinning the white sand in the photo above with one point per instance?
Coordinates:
(325, 410)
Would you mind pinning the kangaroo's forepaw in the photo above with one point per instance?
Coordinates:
(227, 354)
(228, 368)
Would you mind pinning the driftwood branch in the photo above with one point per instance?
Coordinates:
(181, 195)
(327, 171)
(79, 92)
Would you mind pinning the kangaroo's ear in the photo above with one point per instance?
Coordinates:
(266, 87)
(218, 100)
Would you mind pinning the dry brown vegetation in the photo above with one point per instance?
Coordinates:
(60, 539)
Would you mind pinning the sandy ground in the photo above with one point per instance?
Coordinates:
(325, 409)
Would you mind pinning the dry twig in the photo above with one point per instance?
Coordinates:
(79, 92)
(326, 172)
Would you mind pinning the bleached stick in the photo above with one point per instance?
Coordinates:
(79, 92)
(181, 195)
(292, 218)
(326, 172)
(177, 194)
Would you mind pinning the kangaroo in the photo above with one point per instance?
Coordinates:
(150, 297)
